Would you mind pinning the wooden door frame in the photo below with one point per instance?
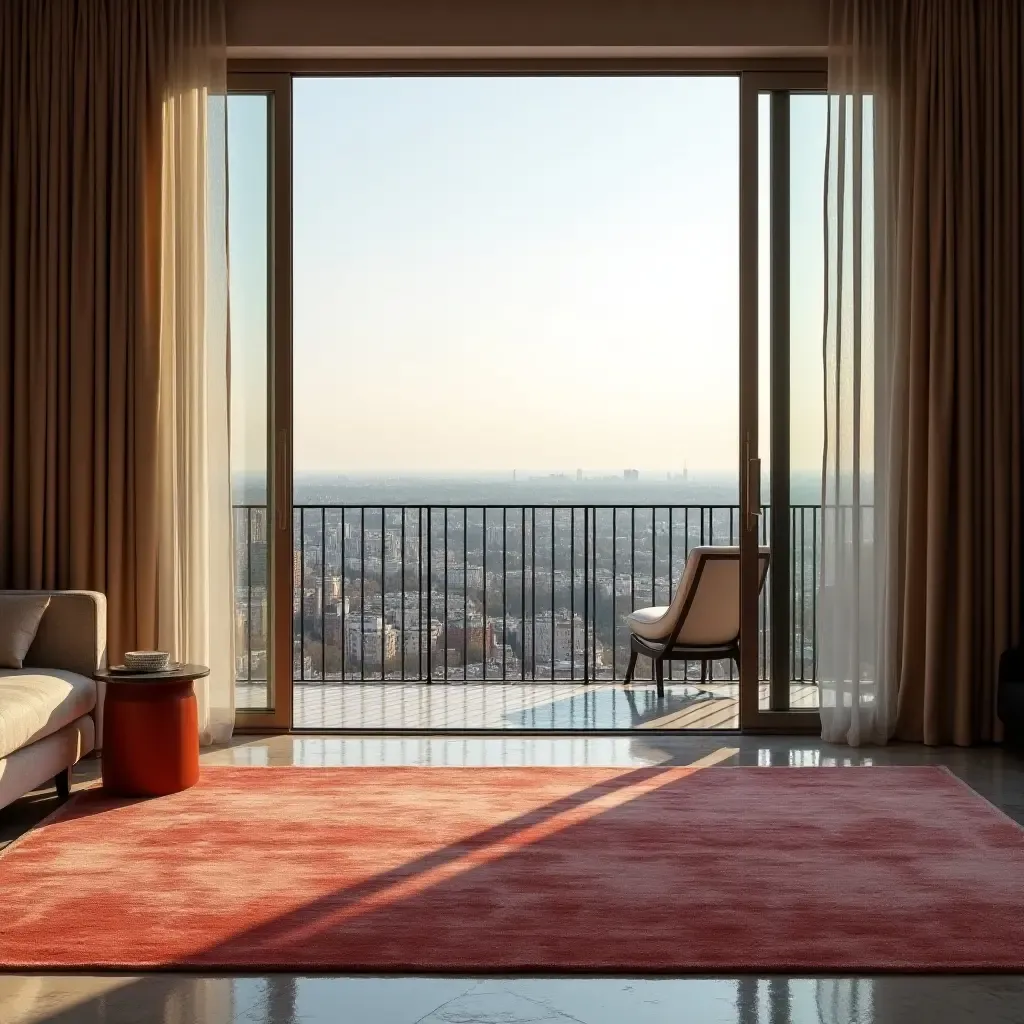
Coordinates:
(274, 77)
(779, 84)
(277, 87)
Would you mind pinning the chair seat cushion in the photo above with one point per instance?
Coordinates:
(36, 702)
(649, 623)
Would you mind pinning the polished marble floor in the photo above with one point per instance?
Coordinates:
(286, 999)
(512, 706)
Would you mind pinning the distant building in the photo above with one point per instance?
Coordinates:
(367, 636)
(259, 624)
(312, 603)
(258, 527)
(420, 641)
(251, 625)
(258, 564)
(475, 636)
(471, 575)
(631, 474)
(579, 474)
(396, 604)
(562, 637)
(334, 618)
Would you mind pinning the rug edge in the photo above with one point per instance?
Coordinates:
(946, 770)
(236, 967)
(55, 815)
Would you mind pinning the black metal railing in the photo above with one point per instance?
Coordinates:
(493, 593)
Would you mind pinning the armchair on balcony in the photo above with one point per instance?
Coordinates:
(703, 621)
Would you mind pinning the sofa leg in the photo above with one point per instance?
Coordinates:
(659, 673)
(62, 780)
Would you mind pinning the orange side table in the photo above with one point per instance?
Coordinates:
(150, 731)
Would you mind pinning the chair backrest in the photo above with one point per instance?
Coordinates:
(708, 596)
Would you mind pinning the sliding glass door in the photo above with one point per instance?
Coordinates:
(524, 365)
(782, 235)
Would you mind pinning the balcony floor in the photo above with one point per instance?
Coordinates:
(532, 706)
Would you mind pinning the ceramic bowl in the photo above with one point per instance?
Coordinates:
(146, 661)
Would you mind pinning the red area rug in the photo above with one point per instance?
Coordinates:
(507, 869)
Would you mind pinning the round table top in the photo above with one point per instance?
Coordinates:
(174, 674)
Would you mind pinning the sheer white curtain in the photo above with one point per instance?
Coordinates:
(923, 367)
(195, 610)
(857, 684)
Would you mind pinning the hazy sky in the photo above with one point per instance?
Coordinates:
(492, 273)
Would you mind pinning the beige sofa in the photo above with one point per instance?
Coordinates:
(51, 710)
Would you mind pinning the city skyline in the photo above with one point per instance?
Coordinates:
(473, 489)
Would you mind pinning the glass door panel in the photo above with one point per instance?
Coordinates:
(249, 308)
(785, 129)
(259, 312)
(808, 123)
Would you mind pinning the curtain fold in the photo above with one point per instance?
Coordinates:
(105, 234)
(193, 480)
(922, 359)
(79, 349)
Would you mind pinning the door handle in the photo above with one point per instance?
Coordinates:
(753, 491)
(282, 488)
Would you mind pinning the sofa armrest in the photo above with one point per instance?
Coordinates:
(72, 633)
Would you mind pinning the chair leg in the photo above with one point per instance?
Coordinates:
(703, 671)
(629, 668)
(659, 674)
(62, 780)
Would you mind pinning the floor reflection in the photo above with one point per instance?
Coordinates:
(616, 708)
(288, 999)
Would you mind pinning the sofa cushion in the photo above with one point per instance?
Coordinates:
(37, 702)
(37, 764)
(20, 615)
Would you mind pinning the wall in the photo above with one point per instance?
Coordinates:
(766, 26)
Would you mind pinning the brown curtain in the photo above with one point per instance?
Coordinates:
(82, 90)
(945, 81)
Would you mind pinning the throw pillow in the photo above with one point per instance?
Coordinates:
(20, 615)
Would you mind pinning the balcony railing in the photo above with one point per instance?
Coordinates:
(493, 593)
